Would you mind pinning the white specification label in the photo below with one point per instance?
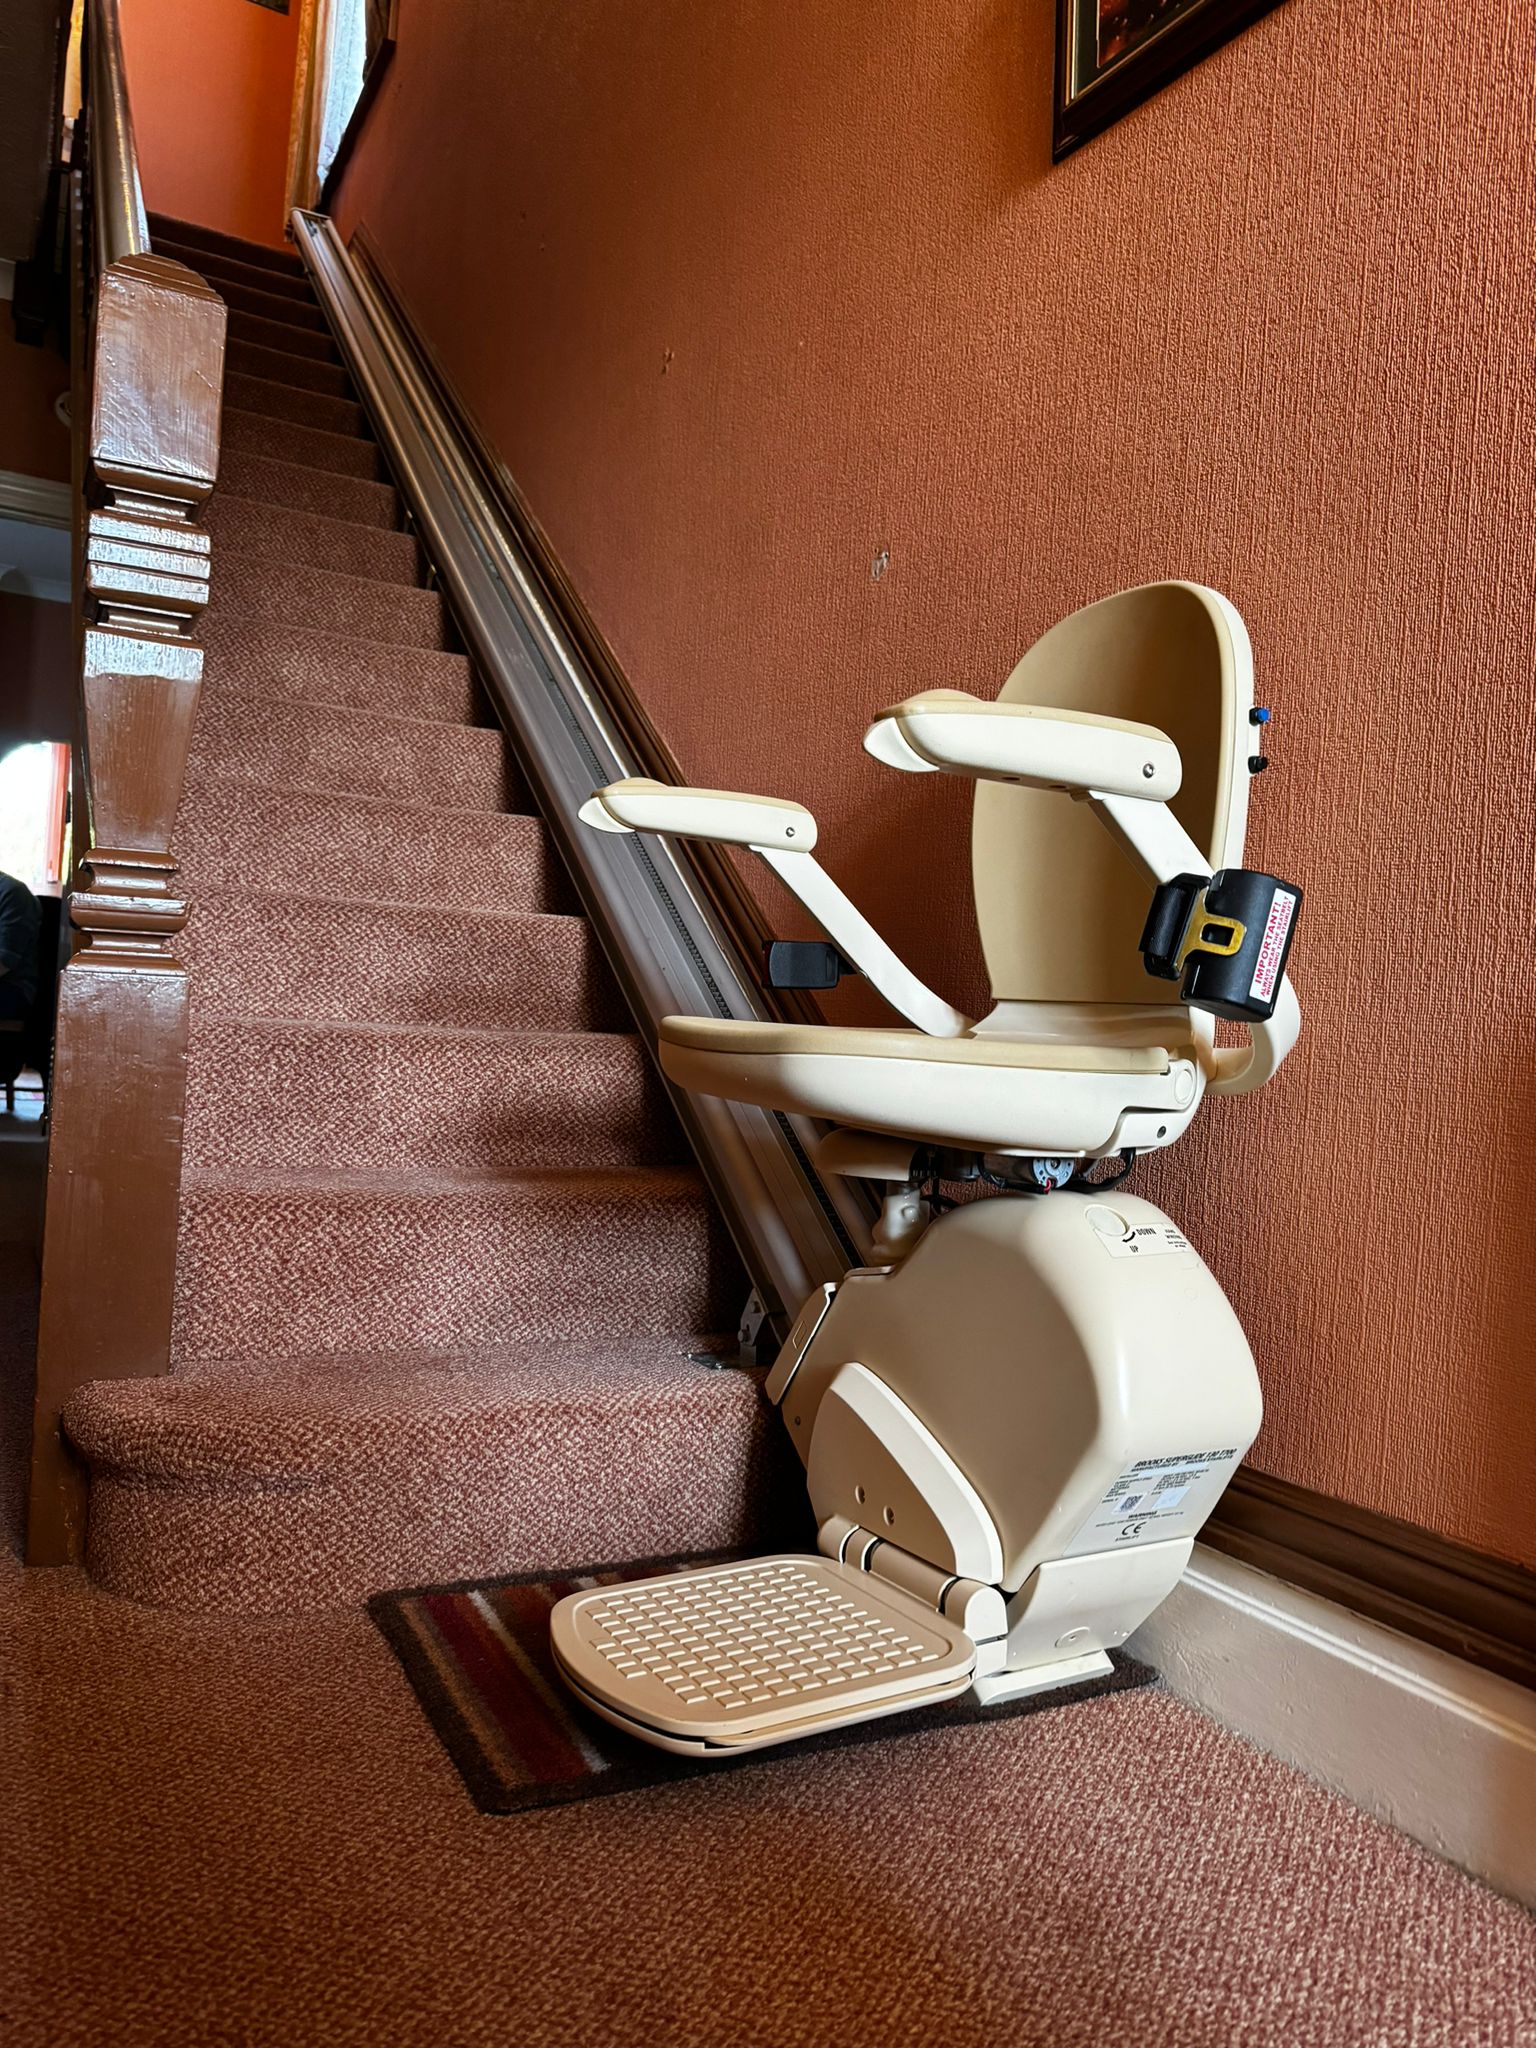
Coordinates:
(1156, 1498)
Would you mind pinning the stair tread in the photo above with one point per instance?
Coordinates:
(300, 310)
(326, 449)
(352, 1095)
(292, 373)
(294, 1402)
(305, 539)
(372, 1184)
(272, 399)
(248, 652)
(453, 1034)
(248, 953)
(245, 736)
(341, 904)
(364, 719)
(271, 589)
(283, 337)
(205, 783)
(301, 487)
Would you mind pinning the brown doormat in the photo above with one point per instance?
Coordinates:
(478, 1656)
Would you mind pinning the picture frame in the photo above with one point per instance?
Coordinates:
(1113, 54)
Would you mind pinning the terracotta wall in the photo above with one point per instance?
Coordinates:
(752, 295)
(212, 89)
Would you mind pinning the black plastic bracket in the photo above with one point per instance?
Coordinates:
(805, 963)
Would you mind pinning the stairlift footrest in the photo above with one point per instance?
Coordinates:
(737, 1656)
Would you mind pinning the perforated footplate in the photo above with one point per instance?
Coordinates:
(740, 1655)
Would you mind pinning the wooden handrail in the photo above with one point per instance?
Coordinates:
(122, 228)
(148, 350)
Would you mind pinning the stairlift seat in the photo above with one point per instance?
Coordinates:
(995, 1093)
(794, 1041)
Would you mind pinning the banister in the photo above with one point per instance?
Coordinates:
(148, 352)
(122, 227)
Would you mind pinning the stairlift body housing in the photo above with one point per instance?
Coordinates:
(1039, 1392)
(1020, 1422)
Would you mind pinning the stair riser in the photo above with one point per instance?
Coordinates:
(566, 1486)
(261, 1097)
(295, 842)
(252, 359)
(313, 541)
(262, 1274)
(352, 752)
(164, 227)
(222, 271)
(289, 309)
(246, 433)
(297, 487)
(260, 657)
(317, 601)
(282, 336)
(278, 957)
(272, 400)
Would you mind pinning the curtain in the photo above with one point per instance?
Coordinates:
(310, 82)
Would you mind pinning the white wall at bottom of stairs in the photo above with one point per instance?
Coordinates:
(1438, 1748)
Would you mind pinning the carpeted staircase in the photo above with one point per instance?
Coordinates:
(442, 1256)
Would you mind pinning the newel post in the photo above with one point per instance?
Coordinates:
(151, 402)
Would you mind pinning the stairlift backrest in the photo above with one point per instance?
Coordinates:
(1060, 908)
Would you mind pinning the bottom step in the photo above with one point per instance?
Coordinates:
(317, 1481)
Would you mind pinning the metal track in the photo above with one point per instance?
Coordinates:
(671, 953)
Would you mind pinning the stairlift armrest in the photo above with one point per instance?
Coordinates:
(724, 815)
(1240, 1069)
(781, 834)
(947, 730)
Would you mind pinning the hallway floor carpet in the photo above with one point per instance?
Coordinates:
(228, 1829)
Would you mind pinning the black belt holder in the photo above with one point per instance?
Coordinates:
(1225, 938)
(804, 963)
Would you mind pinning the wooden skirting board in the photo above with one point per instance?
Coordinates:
(1436, 1591)
(1426, 1586)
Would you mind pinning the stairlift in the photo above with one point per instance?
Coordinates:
(1016, 1418)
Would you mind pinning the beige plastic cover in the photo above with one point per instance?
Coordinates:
(1060, 907)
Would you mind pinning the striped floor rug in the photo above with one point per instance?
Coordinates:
(478, 1657)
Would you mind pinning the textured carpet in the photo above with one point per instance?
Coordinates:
(479, 1661)
(224, 1831)
(312, 539)
(269, 1485)
(362, 608)
(442, 1255)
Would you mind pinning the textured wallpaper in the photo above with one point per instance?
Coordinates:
(828, 387)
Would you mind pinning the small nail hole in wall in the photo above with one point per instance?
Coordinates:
(879, 565)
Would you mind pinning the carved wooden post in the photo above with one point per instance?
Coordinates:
(114, 1168)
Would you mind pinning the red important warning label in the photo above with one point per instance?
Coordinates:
(1272, 947)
